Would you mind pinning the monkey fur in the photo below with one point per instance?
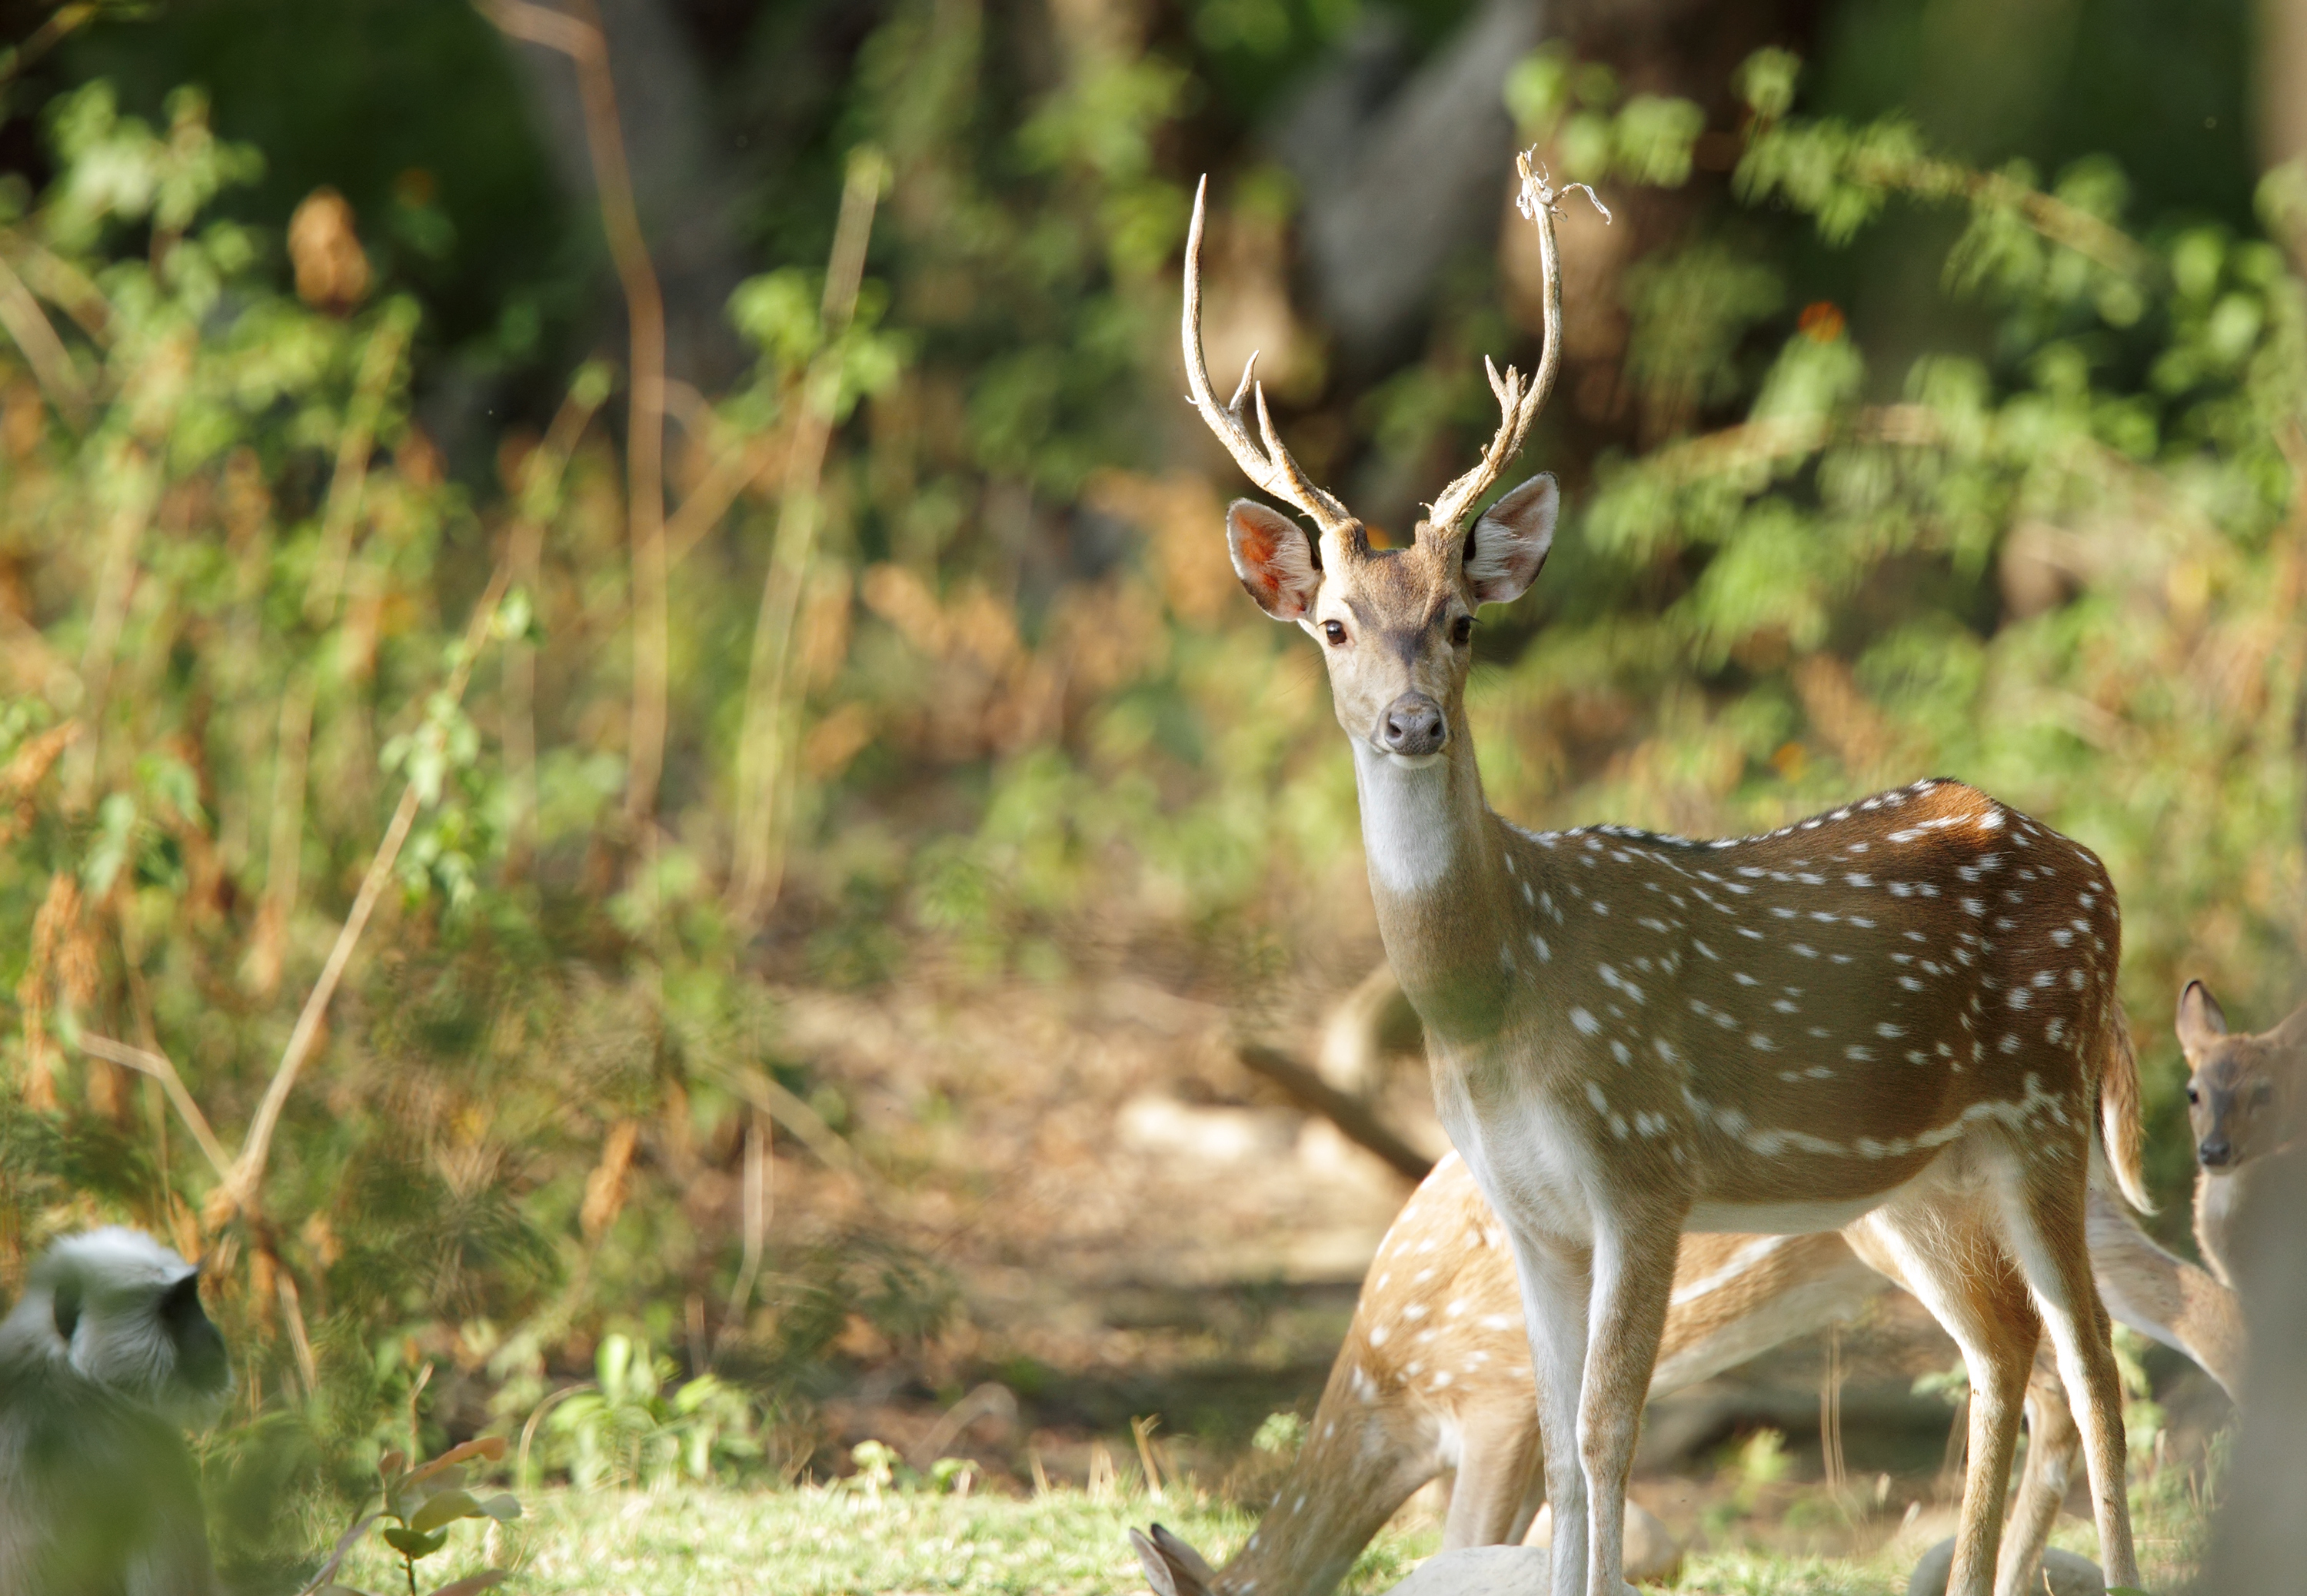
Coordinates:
(102, 1361)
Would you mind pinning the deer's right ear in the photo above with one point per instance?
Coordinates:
(2202, 1020)
(1274, 559)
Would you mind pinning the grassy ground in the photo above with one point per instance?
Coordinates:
(833, 1541)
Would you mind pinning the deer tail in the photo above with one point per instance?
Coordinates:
(2118, 1114)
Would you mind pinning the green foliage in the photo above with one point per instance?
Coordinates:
(636, 1426)
(1280, 1435)
(424, 1502)
(1576, 108)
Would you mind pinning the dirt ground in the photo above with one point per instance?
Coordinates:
(1140, 1226)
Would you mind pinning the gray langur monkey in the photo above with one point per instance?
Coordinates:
(103, 1360)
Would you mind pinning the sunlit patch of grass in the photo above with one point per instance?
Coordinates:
(840, 1540)
(1761, 1573)
(835, 1542)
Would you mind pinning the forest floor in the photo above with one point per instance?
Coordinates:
(1136, 1225)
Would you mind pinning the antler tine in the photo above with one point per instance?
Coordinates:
(1540, 201)
(1497, 383)
(1328, 511)
(1248, 376)
(1271, 467)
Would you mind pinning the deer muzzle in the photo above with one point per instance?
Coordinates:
(1413, 727)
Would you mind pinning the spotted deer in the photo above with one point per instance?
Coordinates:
(1435, 1378)
(1897, 1017)
(2244, 1106)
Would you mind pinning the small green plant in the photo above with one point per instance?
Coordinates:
(1753, 1466)
(424, 1502)
(630, 1429)
(1950, 1385)
(1280, 1435)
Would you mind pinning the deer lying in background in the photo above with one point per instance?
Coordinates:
(2244, 1104)
(1435, 1376)
(1898, 1017)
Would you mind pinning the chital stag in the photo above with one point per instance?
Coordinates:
(2244, 1106)
(1898, 1015)
(1434, 1377)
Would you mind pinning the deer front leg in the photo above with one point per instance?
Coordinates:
(1557, 1279)
(1634, 1279)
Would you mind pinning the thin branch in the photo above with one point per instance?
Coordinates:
(60, 283)
(323, 593)
(536, 495)
(379, 361)
(736, 469)
(759, 861)
(580, 38)
(62, 21)
(138, 488)
(760, 1088)
(238, 1192)
(327, 1574)
(300, 1340)
(759, 1197)
(50, 361)
(157, 1065)
(1348, 1114)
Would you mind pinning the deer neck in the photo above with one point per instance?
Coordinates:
(1434, 852)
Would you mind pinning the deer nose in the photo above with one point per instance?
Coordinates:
(2215, 1151)
(1413, 725)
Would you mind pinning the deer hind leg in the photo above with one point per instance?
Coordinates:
(1493, 1500)
(2052, 1442)
(2045, 1216)
(1634, 1279)
(1951, 1256)
(1556, 1278)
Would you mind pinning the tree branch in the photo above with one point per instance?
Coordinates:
(580, 39)
(1349, 1114)
(158, 1068)
(237, 1194)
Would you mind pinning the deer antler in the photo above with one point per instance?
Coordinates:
(1518, 405)
(1270, 466)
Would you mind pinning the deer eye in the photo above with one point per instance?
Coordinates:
(1334, 631)
(1462, 630)
(2194, 1096)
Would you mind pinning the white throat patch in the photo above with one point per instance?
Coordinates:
(1406, 820)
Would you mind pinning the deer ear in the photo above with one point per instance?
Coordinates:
(1158, 1573)
(1185, 1559)
(1508, 544)
(2202, 1020)
(1274, 559)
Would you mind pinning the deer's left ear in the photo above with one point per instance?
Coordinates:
(1505, 547)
